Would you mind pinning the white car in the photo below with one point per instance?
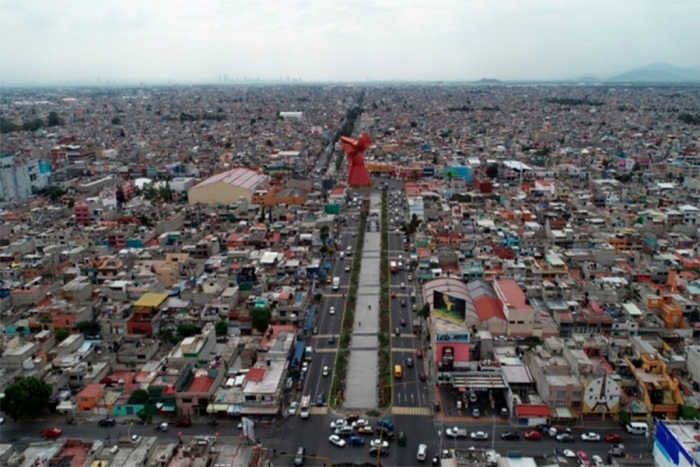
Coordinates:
(335, 424)
(332, 310)
(598, 461)
(456, 432)
(305, 366)
(360, 422)
(326, 370)
(293, 408)
(479, 435)
(376, 443)
(569, 453)
(402, 285)
(590, 436)
(135, 438)
(337, 440)
(347, 268)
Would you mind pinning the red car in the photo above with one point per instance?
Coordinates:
(419, 353)
(533, 435)
(613, 438)
(183, 423)
(52, 432)
(393, 294)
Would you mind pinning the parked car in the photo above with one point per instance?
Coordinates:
(293, 408)
(583, 459)
(532, 435)
(456, 432)
(356, 441)
(351, 418)
(52, 433)
(360, 422)
(479, 435)
(379, 442)
(337, 441)
(299, 458)
(385, 433)
(183, 423)
(613, 438)
(107, 423)
(598, 461)
(402, 438)
(338, 423)
(365, 430)
(476, 413)
(345, 430)
(565, 438)
(590, 436)
(569, 453)
(373, 451)
(386, 423)
(510, 435)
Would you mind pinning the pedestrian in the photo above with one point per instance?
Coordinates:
(360, 323)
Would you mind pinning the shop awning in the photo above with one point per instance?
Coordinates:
(212, 408)
(253, 410)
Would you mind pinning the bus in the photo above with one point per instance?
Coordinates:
(305, 407)
(336, 284)
(308, 353)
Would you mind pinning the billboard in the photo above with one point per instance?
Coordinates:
(449, 307)
(668, 450)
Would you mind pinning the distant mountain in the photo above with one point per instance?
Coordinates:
(488, 81)
(658, 73)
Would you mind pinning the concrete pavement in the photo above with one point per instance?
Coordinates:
(363, 366)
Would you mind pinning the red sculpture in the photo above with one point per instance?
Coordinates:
(355, 149)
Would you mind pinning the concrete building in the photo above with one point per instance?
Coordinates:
(228, 187)
(17, 178)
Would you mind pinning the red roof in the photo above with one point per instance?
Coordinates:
(523, 410)
(256, 374)
(488, 307)
(201, 384)
(512, 293)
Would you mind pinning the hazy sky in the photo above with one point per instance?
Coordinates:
(48, 41)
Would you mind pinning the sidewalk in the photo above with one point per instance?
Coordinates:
(363, 365)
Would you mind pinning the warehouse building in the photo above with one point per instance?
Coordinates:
(228, 187)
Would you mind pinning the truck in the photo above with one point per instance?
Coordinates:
(392, 267)
(336, 284)
(305, 407)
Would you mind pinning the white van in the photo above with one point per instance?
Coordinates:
(637, 428)
(422, 452)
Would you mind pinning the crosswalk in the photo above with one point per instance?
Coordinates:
(418, 411)
(325, 350)
(465, 419)
(318, 410)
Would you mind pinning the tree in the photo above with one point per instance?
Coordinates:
(424, 311)
(221, 328)
(90, 328)
(62, 334)
(492, 171)
(261, 318)
(53, 119)
(138, 397)
(116, 121)
(121, 197)
(186, 330)
(26, 398)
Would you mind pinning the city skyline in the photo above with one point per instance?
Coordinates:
(313, 41)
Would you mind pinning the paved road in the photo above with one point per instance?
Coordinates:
(313, 433)
(329, 324)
